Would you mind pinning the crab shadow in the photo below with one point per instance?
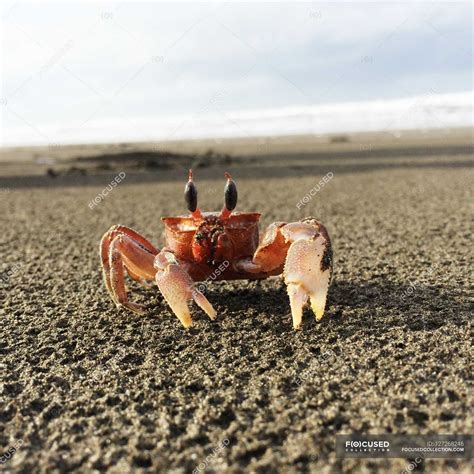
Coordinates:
(352, 307)
(413, 306)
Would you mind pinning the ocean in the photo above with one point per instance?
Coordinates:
(430, 111)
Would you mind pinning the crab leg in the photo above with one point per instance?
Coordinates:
(178, 288)
(125, 252)
(105, 247)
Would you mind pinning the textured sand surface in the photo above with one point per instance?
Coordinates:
(88, 387)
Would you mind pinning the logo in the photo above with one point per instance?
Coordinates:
(367, 446)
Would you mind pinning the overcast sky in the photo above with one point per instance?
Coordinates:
(77, 63)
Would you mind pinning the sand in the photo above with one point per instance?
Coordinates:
(89, 388)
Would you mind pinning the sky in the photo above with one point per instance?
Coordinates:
(70, 66)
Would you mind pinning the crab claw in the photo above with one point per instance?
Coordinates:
(177, 288)
(307, 272)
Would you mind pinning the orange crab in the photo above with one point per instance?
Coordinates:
(220, 246)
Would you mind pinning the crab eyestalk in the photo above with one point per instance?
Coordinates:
(191, 196)
(230, 197)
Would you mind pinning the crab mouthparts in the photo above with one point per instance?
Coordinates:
(211, 245)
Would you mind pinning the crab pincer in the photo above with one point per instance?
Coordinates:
(308, 269)
(178, 288)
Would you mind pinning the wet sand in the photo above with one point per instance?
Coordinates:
(89, 388)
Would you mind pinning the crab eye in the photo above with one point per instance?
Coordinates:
(230, 193)
(191, 194)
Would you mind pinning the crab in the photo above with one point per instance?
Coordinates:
(225, 245)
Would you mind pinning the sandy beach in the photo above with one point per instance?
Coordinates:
(90, 388)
